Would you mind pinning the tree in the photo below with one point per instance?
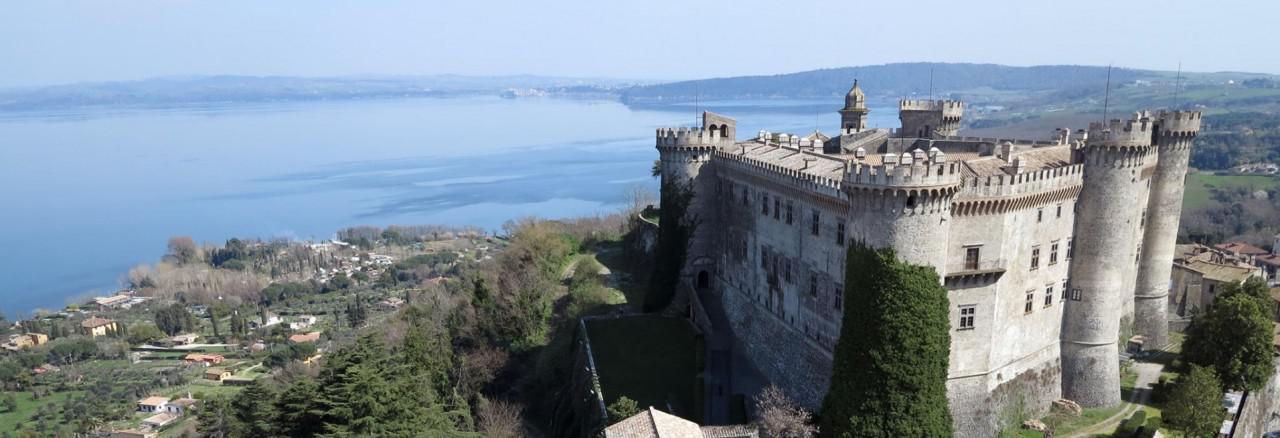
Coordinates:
(1234, 337)
(622, 408)
(183, 250)
(1195, 403)
(215, 418)
(142, 333)
(890, 365)
(298, 411)
(780, 417)
(9, 402)
(253, 411)
(174, 319)
(673, 244)
(499, 419)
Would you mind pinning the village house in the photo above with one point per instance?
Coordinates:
(95, 326)
(158, 421)
(652, 423)
(182, 406)
(153, 404)
(216, 374)
(133, 433)
(302, 322)
(112, 302)
(305, 338)
(1200, 273)
(184, 339)
(24, 341)
(201, 358)
(391, 303)
(44, 369)
(269, 319)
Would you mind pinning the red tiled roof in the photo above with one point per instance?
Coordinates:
(1241, 248)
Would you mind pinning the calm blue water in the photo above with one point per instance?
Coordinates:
(88, 194)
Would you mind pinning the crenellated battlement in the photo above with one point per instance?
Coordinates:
(904, 175)
(1179, 123)
(1040, 181)
(1133, 132)
(947, 107)
(690, 137)
(772, 171)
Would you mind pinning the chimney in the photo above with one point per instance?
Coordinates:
(1006, 152)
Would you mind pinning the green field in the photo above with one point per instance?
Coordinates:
(650, 359)
(1198, 191)
(28, 406)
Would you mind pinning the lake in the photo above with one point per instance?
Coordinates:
(90, 193)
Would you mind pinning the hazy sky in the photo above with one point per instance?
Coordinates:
(55, 41)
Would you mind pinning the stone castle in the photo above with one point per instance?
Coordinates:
(1052, 252)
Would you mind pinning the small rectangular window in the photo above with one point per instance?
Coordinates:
(764, 258)
(817, 221)
(1059, 210)
(1030, 303)
(967, 312)
(838, 302)
(813, 285)
(790, 210)
(764, 206)
(786, 270)
(1077, 294)
(1040, 215)
(777, 208)
(1064, 291)
(744, 196)
(1137, 255)
(1035, 257)
(1053, 253)
(1071, 249)
(840, 233)
(1048, 295)
(971, 257)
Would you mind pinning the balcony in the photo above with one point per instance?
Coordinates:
(971, 273)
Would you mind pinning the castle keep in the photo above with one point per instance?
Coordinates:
(1051, 251)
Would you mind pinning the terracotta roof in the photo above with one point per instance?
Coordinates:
(154, 401)
(1241, 248)
(1034, 159)
(732, 431)
(653, 423)
(1223, 273)
(1269, 259)
(95, 322)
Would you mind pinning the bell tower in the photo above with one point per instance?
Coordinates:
(853, 118)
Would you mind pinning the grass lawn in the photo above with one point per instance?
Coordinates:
(1198, 190)
(650, 359)
(27, 407)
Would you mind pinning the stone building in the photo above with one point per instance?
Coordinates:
(1050, 250)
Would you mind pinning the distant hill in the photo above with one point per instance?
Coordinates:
(975, 82)
(172, 91)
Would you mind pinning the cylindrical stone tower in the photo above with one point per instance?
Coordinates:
(904, 204)
(1104, 244)
(1174, 132)
(683, 152)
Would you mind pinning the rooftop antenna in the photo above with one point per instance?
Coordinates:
(695, 105)
(930, 83)
(1177, 86)
(1106, 100)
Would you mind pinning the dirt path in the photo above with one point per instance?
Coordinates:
(1148, 373)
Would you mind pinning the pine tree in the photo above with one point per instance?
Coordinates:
(253, 411)
(890, 365)
(1195, 403)
(298, 411)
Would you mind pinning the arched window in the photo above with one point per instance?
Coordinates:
(724, 131)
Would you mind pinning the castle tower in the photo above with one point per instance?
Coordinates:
(682, 153)
(1113, 156)
(853, 118)
(1174, 133)
(929, 118)
(904, 204)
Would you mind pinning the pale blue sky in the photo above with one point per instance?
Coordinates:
(57, 41)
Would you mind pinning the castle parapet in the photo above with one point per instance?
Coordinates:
(1040, 181)
(947, 107)
(690, 138)
(792, 177)
(904, 174)
(1179, 123)
(1135, 132)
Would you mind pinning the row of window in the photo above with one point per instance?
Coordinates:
(969, 312)
(1053, 253)
(815, 225)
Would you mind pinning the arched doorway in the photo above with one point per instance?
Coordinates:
(704, 280)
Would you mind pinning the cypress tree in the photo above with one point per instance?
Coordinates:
(890, 365)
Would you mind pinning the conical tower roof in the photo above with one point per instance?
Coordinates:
(855, 99)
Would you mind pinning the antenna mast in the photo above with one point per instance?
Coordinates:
(930, 83)
(1106, 100)
(695, 105)
(1177, 86)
